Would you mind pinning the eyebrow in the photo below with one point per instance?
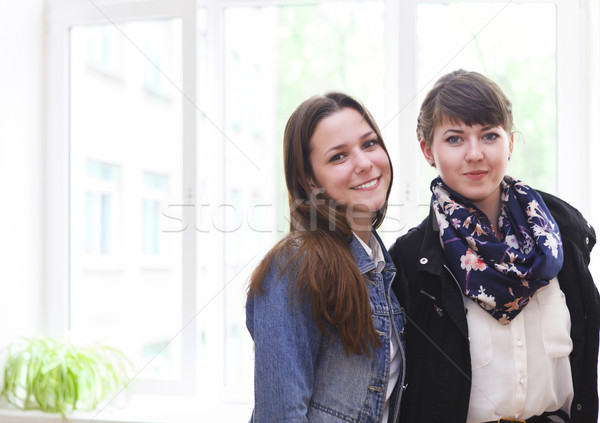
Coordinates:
(458, 131)
(340, 146)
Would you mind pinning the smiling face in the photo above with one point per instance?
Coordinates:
(471, 160)
(349, 163)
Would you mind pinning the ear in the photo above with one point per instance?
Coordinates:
(311, 183)
(427, 152)
(510, 144)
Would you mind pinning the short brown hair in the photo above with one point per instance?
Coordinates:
(464, 96)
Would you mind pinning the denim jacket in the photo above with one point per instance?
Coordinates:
(302, 375)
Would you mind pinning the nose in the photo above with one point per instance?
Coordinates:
(474, 151)
(362, 162)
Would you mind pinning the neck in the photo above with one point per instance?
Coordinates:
(493, 215)
(361, 226)
(492, 211)
(365, 236)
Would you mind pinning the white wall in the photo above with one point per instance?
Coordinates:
(21, 168)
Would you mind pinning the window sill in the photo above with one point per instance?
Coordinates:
(142, 409)
(18, 416)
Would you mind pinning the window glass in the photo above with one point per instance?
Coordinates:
(515, 46)
(102, 200)
(154, 201)
(125, 167)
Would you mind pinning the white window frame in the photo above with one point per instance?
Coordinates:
(63, 15)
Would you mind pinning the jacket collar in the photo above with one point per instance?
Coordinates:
(364, 261)
(431, 254)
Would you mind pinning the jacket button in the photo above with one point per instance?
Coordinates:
(423, 260)
(579, 407)
(587, 241)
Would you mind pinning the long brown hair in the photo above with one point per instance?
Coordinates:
(317, 248)
(464, 96)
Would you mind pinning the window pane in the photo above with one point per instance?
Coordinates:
(125, 168)
(277, 57)
(155, 198)
(515, 46)
(103, 185)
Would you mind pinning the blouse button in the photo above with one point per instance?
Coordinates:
(423, 260)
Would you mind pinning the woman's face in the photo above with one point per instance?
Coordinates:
(349, 163)
(471, 160)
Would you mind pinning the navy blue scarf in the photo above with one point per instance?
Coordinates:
(499, 275)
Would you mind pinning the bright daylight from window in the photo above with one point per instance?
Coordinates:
(172, 125)
(126, 144)
(125, 169)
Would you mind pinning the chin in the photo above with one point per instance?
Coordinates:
(376, 208)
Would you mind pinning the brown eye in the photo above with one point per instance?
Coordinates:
(369, 144)
(336, 158)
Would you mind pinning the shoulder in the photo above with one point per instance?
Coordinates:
(573, 226)
(564, 213)
(276, 267)
(407, 245)
(274, 282)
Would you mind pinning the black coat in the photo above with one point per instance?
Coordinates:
(437, 337)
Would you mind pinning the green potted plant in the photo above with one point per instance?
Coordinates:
(48, 375)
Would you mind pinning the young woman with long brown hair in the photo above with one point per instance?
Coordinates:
(325, 324)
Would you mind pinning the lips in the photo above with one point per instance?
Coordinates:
(368, 185)
(476, 174)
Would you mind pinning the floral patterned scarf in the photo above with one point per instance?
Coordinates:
(499, 275)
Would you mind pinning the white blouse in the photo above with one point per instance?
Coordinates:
(521, 369)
